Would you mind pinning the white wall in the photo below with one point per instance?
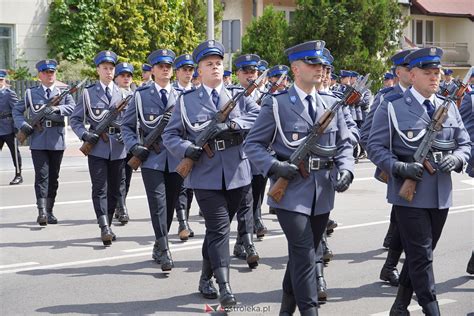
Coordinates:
(29, 18)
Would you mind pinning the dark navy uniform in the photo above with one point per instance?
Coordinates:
(220, 183)
(162, 183)
(398, 127)
(284, 122)
(107, 157)
(8, 99)
(48, 143)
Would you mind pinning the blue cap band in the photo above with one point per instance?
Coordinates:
(422, 60)
(184, 62)
(209, 51)
(304, 54)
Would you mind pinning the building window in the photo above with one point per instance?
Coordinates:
(289, 12)
(423, 32)
(6, 46)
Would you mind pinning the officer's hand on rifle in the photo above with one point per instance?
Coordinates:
(345, 179)
(193, 152)
(140, 151)
(410, 170)
(283, 169)
(50, 110)
(26, 129)
(451, 163)
(219, 129)
(90, 137)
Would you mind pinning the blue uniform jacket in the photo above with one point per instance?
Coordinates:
(50, 138)
(94, 100)
(152, 108)
(467, 114)
(433, 191)
(8, 99)
(296, 124)
(231, 163)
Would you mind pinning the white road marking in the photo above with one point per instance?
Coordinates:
(465, 189)
(17, 265)
(470, 181)
(30, 185)
(417, 307)
(364, 179)
(64, 203)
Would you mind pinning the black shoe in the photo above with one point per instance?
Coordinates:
(431, 309)
(327, 255)
(206, 286)
(49, 210)
(17, 180)
(121, 214)
(332, 224)
(470, 265)
(260, 228)
(389, 271)
(321, 282)
(183, 231)
(162, 255)
(272, 211)
(42, 218)
(239, 250)
(252, 256)
(191, 232)
(226, 297)
(288, 304)
(105, 233)
(403, 299)
(200, 213)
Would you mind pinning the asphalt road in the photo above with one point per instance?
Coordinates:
(64, 269)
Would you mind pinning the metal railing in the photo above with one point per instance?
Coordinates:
(454, 52)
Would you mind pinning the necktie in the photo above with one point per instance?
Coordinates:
(164, 98)
(311, 111)
(48, 93)
(429, 107)
(215, 97)
(107, 94)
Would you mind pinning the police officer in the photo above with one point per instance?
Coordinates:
(8, 99)
(196, 81)
(276, 72)
(47, 142)
(184, 67)
(107, 157)
(334, 84)
(448, 77)
(222, 182)
(392, 239)
(227, 78)
(397, 129)
(467, 113)
(304, 209)
(162, 183)
(146, 74)
(388, 80)
(244, 248)
(123, 79)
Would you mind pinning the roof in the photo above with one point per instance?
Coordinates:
(453, 8)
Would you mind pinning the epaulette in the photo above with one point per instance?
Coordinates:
(393, 97)
(328, 94)
(90, 86)
(143, 87)
(442, 97)
(232, 87)
(385, 90)
(188, 91)
(279, 93)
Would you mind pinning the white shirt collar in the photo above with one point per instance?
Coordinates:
(421, 98)
(402, 87)
(110, 85)
(188, 87)
(167, 88)
(209, 90)
(50, 88)
(303, 94)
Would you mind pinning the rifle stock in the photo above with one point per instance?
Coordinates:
(408, 189)
(185, 166)
(86, 148)
(134, 162)
(277, 191)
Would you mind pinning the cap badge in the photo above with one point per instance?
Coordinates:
(107, 53)
(125, 65)
(294, 136)
(247, 57)
(210, 44)
(433, 51)
(164, 52)
(280, 67)
(318, 45)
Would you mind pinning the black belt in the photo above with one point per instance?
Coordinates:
(313, 163)
(49, 123)
(435, 156)
(113, 130)
(5, 115)
(222, 143)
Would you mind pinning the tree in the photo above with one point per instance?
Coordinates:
(361, 34)
(72, 29)
(267, 36)
(198, 8)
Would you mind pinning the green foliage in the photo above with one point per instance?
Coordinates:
(20, 71)
(267, 36)
(198, 9)
(361, 34)
(74, 70)
(72, 29)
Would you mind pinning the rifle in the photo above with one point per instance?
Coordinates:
(273, 89)
(462, 87)
(351, 95)
(408, 188)
(39, 117)
(102, 127)
(186, 164)
(151, 139)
